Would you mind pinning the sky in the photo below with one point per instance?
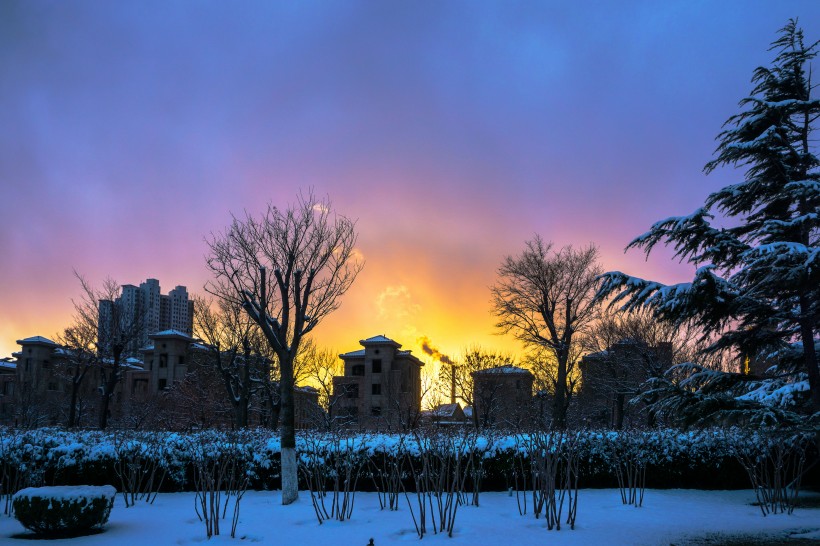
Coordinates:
(451, 131)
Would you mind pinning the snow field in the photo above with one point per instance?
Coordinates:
(667, 517)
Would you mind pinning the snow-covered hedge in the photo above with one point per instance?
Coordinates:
(697, 458)
(63, 509)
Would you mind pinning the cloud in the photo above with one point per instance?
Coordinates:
(396, 302)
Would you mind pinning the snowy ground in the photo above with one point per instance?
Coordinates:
(667, 517)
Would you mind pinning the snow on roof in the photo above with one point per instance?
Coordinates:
(200, 347)
(36, 339)
(445, 410)
(8, 365)
(506, 369)
(379, 339)
(599, 354)
(167, 333)
(360, 352)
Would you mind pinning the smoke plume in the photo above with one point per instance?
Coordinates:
(428, 348)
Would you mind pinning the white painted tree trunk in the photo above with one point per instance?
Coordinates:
(290, 476)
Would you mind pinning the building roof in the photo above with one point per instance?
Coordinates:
(36, 340)
(446, 410)
(171, 333)
(506, 369)
(599, 354)
(8, 364)
(382, 339)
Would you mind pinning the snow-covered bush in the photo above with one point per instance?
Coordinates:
(774, 463)
(221, 475)
(63, 510)
(331, 465)
(703, 458)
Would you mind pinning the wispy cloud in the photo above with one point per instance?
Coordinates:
(396, 302)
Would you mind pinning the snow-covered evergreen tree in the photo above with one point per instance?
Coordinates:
(755, 243)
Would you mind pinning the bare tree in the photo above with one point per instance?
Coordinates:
(546, 299)
(235, 347)
(80, 351)
(310, 251)
(117, 329)
(193, 402)
(320, 366)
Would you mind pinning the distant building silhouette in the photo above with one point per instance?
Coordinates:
(146, 305)
(35, 387)
(612, 377)
(503, 397)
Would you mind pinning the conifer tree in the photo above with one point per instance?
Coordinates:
(756, 290)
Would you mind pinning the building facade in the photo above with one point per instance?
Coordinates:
(612, 377)
(174, 385)
(502, 397)
(380, 388)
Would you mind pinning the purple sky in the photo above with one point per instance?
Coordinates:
(452, 131)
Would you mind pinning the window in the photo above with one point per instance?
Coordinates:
(357, 370)
(163, 360)
(46, 364)
(352, 390)
(517, 383)
(377, 365)
(163, 384)
(52, 386)
(182, 361)
(376, 411)
(377, 388)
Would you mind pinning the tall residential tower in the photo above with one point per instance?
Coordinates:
(145, 310)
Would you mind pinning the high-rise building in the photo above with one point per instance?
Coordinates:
(143, 310)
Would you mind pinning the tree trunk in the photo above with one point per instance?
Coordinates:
(76, 381)
(72, 408)
(108, 390)
(287, 431)
(244, 394)
(559, 408)
(618, 413)
(810, 354)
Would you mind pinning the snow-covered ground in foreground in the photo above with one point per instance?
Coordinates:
(667, 517)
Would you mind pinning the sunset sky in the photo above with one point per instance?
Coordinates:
(453, 132)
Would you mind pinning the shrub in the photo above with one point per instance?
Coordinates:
(63, 509)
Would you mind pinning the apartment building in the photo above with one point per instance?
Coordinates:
(380, 388)
(145, 310)
(502, 397)
(35, 388)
